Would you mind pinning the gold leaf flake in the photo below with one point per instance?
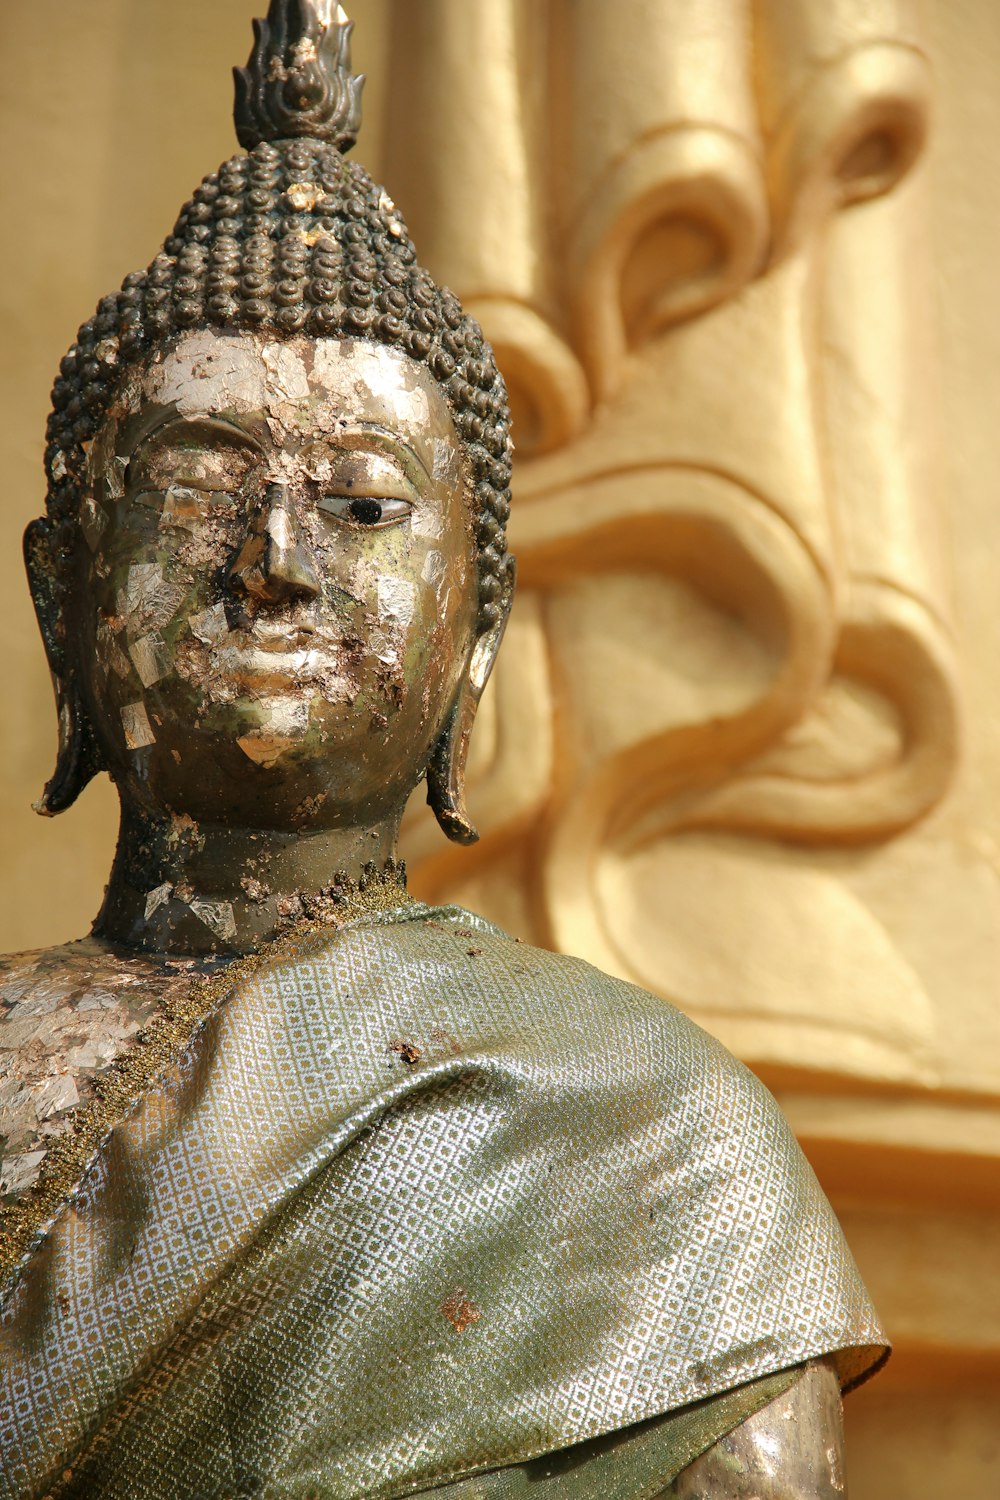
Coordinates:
(217, 916)
(303, 196)
(210, 626)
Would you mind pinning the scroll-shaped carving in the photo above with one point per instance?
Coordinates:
(736, 567)
(845, 98)
(480, 212)
(667, 207)
(689, 403)
(895, 661)
(724, 647)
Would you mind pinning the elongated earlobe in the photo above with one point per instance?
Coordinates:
(78, 759)
(446, 768)
(446, 774)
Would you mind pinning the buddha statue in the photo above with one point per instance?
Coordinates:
(310, 1189)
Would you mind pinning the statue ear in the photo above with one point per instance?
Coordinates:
(78, 759)
(446, 768)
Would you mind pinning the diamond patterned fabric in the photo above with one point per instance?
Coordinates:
(418, 1202)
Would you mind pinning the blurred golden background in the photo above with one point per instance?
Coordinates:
(744, 743)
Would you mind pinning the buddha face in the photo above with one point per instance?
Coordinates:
(279, 579)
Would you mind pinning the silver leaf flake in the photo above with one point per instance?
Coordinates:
(40, 999)
(116, 478)
(217, 916)
(93, 521)
(383, 649)
(427, 523)
(50, 1054)
(20, 1172)
(286, 368)
(20, 989)
(96, 1000)
(96, 1052)
(443, 460)
(18, 1033)
(148, 602)
(157, 898)
(138, 730)
(109, 651)
(182, 509)
(56, 1095)
(149, 657)
(48, 1028)
(396, 599)
(434, 569)
(10, 1090)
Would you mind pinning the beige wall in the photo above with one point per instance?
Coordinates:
(758, 529)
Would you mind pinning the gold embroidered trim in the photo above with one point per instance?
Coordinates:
(163, 1040)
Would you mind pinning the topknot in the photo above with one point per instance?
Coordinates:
(298, 81)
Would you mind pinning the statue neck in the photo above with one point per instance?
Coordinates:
(180, 888)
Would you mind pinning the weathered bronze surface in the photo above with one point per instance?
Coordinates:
(289, 572)
(272, 581)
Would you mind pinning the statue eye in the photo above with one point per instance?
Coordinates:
(363, 487)
(366, 510)
(219, 470)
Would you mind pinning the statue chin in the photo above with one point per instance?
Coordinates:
(290, 762)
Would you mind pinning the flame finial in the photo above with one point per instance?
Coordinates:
(298, 81)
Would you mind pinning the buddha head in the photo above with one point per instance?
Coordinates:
(272, 575)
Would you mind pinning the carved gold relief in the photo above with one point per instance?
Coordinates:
(483, 220)
(733, 641)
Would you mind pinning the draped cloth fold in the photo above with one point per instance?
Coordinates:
(418, 1203)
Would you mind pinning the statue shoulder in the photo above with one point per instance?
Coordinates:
(34, 980)
(568, 998)
(66, 1014)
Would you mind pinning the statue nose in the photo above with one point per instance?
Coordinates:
(275, 565)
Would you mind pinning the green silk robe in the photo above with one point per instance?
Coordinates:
(420, 1206)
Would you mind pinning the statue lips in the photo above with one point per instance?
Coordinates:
(280, 657)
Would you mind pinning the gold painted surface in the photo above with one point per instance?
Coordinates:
(738, 563)
(742, 743)
(761, 577)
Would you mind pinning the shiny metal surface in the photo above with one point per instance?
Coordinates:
(793, 1449)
